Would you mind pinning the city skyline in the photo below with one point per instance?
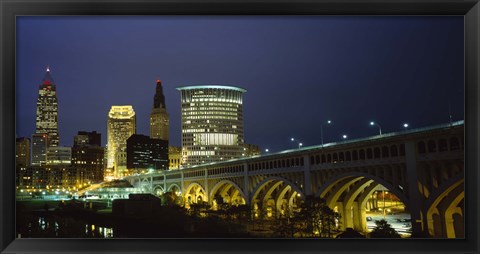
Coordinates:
(418, 96)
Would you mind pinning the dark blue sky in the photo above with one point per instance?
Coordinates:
(298, 71)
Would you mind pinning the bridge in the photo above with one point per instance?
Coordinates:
(423, 167)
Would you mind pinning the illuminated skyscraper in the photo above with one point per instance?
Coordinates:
(212, 123)
(47, 109)
(159, 115)
(121, 125)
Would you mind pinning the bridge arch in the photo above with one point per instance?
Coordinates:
(272, 193)
(158, 190)
(195, 193)
(326, 187)
(174, 186)
(236, 196)
(444, 216)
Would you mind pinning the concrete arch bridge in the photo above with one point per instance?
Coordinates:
(423, 168)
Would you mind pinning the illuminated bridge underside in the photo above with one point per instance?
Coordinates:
(424, 168)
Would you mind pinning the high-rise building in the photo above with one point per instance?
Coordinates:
(212, 123)
(39, 148)
(22, 152)
(88, 157)
(146, 154)
(47, 109)
(159, 116)
(121, 125)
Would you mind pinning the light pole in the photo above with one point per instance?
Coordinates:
(321, 129)
(379, 128)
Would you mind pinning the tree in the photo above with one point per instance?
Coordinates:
(318, 219)
(170, 199)
(383, 230)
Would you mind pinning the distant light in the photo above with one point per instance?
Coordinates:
(300, 144)
(158, 81)
(344, 136)
(405, 125)
(48, 68)
(266, 150)
(372, 123)
(329, 122)
(292, 139)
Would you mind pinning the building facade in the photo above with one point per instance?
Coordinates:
(145, 154)
(159, 120)
(22, 152)
(47, 110)
(250, 150)
(88, 157)
(121, 125)
(59, 155)
(40, 143)
(87, 138)
(212, 123)
(174, 157)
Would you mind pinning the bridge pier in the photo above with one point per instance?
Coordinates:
(415, 200)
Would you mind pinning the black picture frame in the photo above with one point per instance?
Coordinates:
(9, 9)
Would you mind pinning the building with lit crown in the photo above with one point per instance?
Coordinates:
(47, 109)
(159, 117)
(212, 123)
(121, 125)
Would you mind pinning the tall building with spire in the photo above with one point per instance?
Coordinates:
(121, 125)
(159, 116)
(47, 109)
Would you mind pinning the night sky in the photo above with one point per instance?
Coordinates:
(298, 71)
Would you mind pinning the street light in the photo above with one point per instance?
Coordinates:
(300, 144)
(344, 136)
(379, 128)
(405, 125)
(266, 150)
(321, 129)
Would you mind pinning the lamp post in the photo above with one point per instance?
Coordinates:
(379, 128)
(321, 129)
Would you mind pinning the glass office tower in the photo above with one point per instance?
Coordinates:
(212, 123)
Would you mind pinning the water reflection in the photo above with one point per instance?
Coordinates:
(59, 227)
